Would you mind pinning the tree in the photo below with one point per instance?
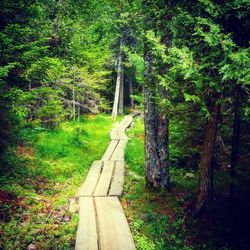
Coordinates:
(155, 117)
(201, 53)
(206, 156)
(118, 100)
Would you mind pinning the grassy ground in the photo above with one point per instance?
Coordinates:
(49, 166)
(158, 219)
(45, 173)
(155, 217)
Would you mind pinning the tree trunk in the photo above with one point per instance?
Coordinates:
(73, 101)
(150, 123)
(119, 81)
(156, 132)
(155, 119)
(235, 143)
(121, 97)
(205, 163)
(130, 89)
(163, 151)
(79, 109)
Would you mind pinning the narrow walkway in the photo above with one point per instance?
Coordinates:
(102, 224)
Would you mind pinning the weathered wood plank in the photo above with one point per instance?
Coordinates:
(86, 238)
(114, 230)
(118, 179)
(118, 154)
(103, 224)
(121, 133)
(89, 184)
(114, 133)
(128, 122)
(105, 179)
(124, 120)
(121, 129)
(112, 145)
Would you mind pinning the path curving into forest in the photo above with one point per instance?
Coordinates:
(103, 224)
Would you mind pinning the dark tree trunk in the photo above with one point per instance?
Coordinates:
(163, 151)
(156, 143)
(206, 156)
(150, 123)
(235, 142)
(155, 119)
(156, 131)
(121, 97)
(130, 89)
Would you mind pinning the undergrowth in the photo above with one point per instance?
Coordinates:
(156, 218)
(45, 172)
(159, 219)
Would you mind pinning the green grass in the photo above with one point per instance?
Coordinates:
(155, 218)
(134, 152)
(46, 172)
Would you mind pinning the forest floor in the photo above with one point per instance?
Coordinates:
(49, 166)
(47, 170)
(158, 219)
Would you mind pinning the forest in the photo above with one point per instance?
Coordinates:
(174, 75)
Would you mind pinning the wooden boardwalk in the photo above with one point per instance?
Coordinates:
(102, 224)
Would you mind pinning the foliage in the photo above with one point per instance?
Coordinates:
(46, 49)
(150, 229)
(44, 72)
(58, 60)
(45, 173)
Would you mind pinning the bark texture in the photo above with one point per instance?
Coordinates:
(130, 89)
(206, 157)
(156, 131)
(121, 94)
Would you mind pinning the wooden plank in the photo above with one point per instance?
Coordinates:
(89, 184)
(123, 122)
(112, 145)
(121, 129)
(118, 154)
(121, 133)
(114, 230)
(86, 238)
(114, 133)
(128, 121)
(105, 179)
(118, 179)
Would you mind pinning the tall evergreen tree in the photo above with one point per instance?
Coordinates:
(155, 118)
